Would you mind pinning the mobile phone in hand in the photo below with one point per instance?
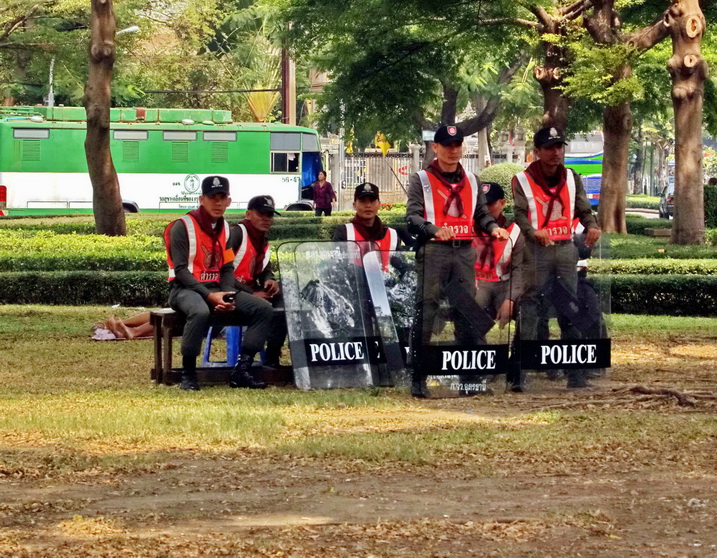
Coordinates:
(229, 297)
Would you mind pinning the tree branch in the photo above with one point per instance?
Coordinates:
(487, 115)
(17, 22)
(647, 37)
(508, 21)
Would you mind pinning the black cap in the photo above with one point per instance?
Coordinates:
(264, 204)
(215, 185)
(545, 137)
(446, 135)
(493, 192)
(366, 190)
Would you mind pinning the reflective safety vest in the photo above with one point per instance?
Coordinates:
(204, 261)
(559, 222)
(494, 265)
(387, 243)
(578, 227)
(246, 257)
(434, 198)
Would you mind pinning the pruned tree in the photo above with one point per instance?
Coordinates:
(620, 50)
(106, 198)
(688, 69)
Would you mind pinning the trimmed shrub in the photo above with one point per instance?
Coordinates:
(503, 174)
(132, 288)
(675, 295)
(641, 201)
(636, 224)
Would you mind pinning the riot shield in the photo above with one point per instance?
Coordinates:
(456, 348)
(391, 279)
(564, 313)
(325, 298)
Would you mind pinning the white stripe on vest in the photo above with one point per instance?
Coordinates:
(507, 254)
(242, 247)
(393, 235)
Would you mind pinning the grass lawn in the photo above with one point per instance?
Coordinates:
(96, 460)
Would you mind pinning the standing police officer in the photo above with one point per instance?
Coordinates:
(445, 206)
(547, 198)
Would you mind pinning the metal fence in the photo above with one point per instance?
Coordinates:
(389, 173)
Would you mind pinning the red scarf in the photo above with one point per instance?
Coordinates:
(259, 242)
(453, 189)
(374, 233)
(535, 170)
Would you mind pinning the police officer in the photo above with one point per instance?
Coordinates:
(253, 271)
(547, 198)
(201, 275)
(366, 227)
(445, 205)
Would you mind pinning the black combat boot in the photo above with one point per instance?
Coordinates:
(241, 378)
(189, 374)
(189, 381)
(578, 379)
(419, 390)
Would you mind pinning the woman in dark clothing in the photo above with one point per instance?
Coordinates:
(324, 195)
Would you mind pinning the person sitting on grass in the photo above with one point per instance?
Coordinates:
(135, 327)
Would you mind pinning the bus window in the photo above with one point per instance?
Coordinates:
(310, 142)
(285, 162)
(220, 136)
(131, 135)
(285, 141)
(31, 133)
(176, 135)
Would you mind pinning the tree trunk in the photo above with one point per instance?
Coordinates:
(689, 71)
(106, 198)
(617, 124)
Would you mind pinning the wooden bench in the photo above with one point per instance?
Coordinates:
(167, 324)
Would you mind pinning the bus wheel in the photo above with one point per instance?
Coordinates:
(299, 207)
(130, 207)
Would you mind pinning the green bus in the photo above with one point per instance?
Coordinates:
(584, 154)
(161, 157)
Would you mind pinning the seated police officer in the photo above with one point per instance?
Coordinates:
(253, 273)
(201, 274)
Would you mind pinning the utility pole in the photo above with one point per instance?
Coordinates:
(288, 88)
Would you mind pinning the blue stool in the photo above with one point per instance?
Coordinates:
(233, 335)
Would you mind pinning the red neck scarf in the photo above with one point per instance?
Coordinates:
(535, 170)
(453, 189)
(373, 233)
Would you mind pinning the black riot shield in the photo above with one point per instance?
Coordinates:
(456, 350)
(564, 313)
(325, 296)
(391, 279)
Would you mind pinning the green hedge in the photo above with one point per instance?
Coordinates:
(131, 288)
(677, 295)
(503, 174)
(651, 266)
(639, 201)
(636, 224)
(674, 295)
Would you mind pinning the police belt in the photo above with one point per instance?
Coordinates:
(455, 243)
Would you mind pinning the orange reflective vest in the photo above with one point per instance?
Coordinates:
(385, 245)
(205, 258)
(434, 197)
(559, 222)
(493, 256)
(245, 259)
